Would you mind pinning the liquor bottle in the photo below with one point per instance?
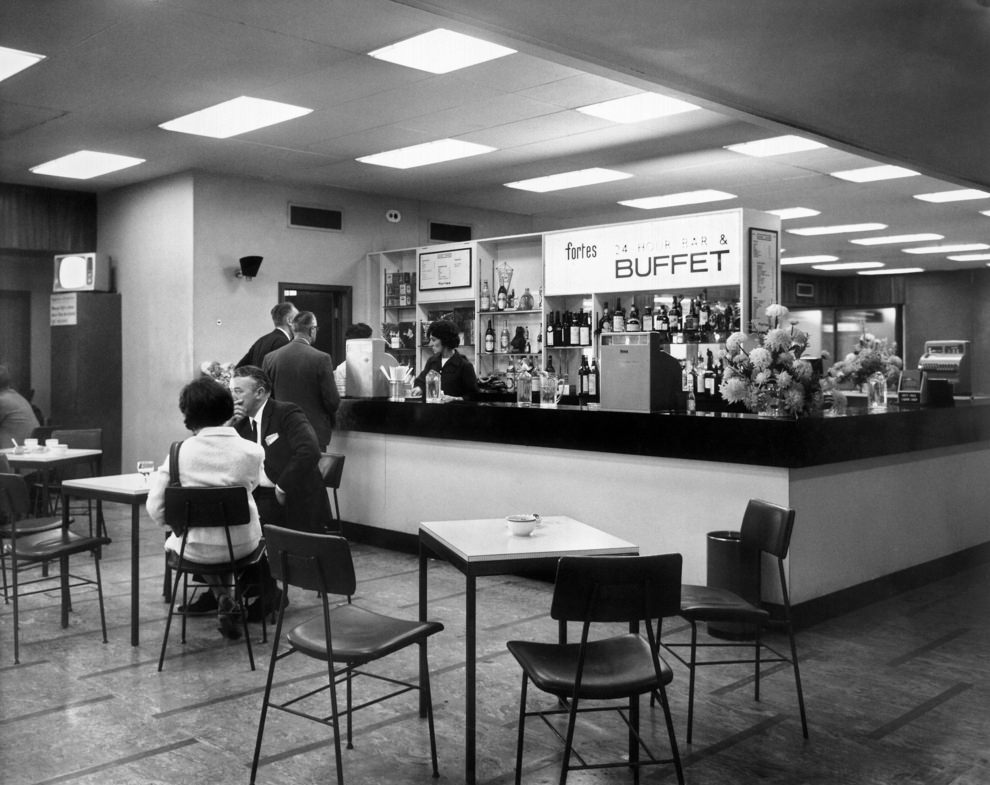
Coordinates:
(675, 315)
(575, 336)
(503, 339)
(663, 323)
(550, 336)
(583, 373)
(486, 297)
(559, 334)
(632, 322)
(618, 317)
(550, 368)
(605, 325)
(529, 347)
(489, 338)
(593, 380)
(511, 302)
(690, 316)
(704, 315)
(692, 403)
(647, 321)
(585, 330)
(502, 298)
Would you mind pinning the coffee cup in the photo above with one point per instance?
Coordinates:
(31, 444)
(51, 442)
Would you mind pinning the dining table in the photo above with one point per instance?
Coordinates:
(130, 489)
(485, 547)
(45, 460)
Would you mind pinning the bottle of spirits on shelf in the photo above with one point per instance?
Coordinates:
(585, 330)
(632, 321)
(503, 339)
(511, 302)
(486, 297)
(550, 332)
(690, 317)
(675, 316)
(558, 330)
(583, 373)
(489, 338)
(550, 369)
(662, 322)
(593, 380)
(502, 298)
(605, 325)
(647, 320)
(705, 318)
(527, 344)
(575, 337)
(618, 317)
(692, 403)
(526, 301)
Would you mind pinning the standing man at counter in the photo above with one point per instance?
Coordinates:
(282, 316)
(457, 377)
(303, 375)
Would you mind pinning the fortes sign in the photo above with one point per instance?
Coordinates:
(668, 253)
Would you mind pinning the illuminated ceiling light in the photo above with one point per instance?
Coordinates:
(677, 200)
(814, 231)
(871, 174)
(639, 107)
(970, 257)
(894, 239)
(236, 116)
(958, 248)
(777, 145)
(985, 212)
(426, 153)
(848, 266)
(86, 164)
(787, 213)
(14, 61)
(441, 51)
(960, 195)
(894, 271)
(808, 259)
(558, 182)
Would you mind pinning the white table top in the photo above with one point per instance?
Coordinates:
(45, 455)
(489, 539)
(132, 483)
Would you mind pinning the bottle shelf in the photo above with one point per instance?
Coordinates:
(510, 312)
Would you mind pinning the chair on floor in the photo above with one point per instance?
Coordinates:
(347, 638)
(600, 591)
(26, 541)
(332, 469)
(77, 439)
(766, 528)
(217, 507)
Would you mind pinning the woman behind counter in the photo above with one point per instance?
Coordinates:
(457, 378)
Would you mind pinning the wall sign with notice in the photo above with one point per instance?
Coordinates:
(448, 269)
(764, 266)
(64, 310)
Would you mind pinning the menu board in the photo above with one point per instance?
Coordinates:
(449, 269)
(763, 253)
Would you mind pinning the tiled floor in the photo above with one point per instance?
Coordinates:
(896, 693)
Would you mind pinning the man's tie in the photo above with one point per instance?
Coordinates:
(254, 430)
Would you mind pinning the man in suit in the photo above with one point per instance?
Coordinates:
(282, 316)
(291, 492)
(303, 375)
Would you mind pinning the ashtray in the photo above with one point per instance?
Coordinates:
(522, 525)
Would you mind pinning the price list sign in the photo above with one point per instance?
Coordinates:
(763, 268)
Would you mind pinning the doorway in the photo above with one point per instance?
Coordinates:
(332, 306)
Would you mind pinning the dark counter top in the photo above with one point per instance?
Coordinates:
(732, 438)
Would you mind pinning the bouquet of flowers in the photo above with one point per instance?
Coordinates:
(766, 372)
(870, 356)
(222, 372)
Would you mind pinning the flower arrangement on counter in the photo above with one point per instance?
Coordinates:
(870, 356)
(222, 372)
(766, 372)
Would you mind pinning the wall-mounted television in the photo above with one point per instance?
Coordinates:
(81, 272)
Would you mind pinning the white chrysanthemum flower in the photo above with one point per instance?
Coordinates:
(784, 380)
(734, 343)
(734, 389)
(760, 358)
(777, 340)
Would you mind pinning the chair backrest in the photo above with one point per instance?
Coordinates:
(617, 588)
(767, 527)
(207, 506)
(4, 465)
(80, 438)
(15, 500)
(315, 562)
(331, 469)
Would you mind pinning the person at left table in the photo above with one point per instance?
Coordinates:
(17, 419)
(457, 378)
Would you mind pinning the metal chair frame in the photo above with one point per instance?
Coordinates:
(332, 470)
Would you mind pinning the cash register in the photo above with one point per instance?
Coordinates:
(949, 361)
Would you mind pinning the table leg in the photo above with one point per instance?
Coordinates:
(422, 617)
(470, 683)
(135, 570)
(63, 565)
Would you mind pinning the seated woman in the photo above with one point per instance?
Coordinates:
(215, 455)
(457, 378)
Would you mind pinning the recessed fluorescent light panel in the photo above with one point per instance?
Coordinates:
(678, 200)
(985, 212)
(440, 51)
(237, 116)
(895, 239)
(86, 164)
(426, 153)
(970, 257)
(788, 213)
(848, 266)
(558, 182)
(808, 259)
(777, 145)
(871, 174)
(895, 271)
(636, 108)
(960, 195)
(13, 61)
(814, 231)
(958, 248)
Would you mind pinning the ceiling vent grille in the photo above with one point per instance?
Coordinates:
(449, 233)
(303, 216)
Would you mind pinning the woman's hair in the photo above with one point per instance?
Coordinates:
(205, 402)
(446, 332)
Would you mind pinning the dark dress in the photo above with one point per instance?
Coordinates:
(457, 376)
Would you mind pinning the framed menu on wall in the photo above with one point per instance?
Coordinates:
(447, 269)
(763, 275)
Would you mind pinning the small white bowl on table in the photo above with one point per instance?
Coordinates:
(522, 525)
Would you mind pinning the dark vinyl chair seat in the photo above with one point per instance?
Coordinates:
(706, 603)
(359, 636)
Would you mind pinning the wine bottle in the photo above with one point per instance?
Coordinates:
(558, 330)
(529, 347)
(675, 315)
(585, 329)
(502, 298)
(486, 297)
(550, 368)
(489, 338)
(647, 320)
(605, 325)
(593, 379)
(575, 337)
(632, 322)
(663, 323)
(692, 403)
(511, 302)
(618, 317)
(583, 373)
(503, 339)
(550, 335)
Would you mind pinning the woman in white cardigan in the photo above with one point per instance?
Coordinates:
(214, 455)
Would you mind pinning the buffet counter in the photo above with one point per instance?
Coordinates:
(882, 500)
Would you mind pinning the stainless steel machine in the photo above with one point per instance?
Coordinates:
(637, 375)
(365, 358)
(951, 361)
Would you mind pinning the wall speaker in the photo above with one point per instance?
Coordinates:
(249, 266)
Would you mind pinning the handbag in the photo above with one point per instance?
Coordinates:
(173, 482)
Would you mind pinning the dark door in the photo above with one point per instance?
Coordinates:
(332, 306)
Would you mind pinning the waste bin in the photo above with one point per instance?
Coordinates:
(735, 567)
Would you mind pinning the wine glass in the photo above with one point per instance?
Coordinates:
(145, 468)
